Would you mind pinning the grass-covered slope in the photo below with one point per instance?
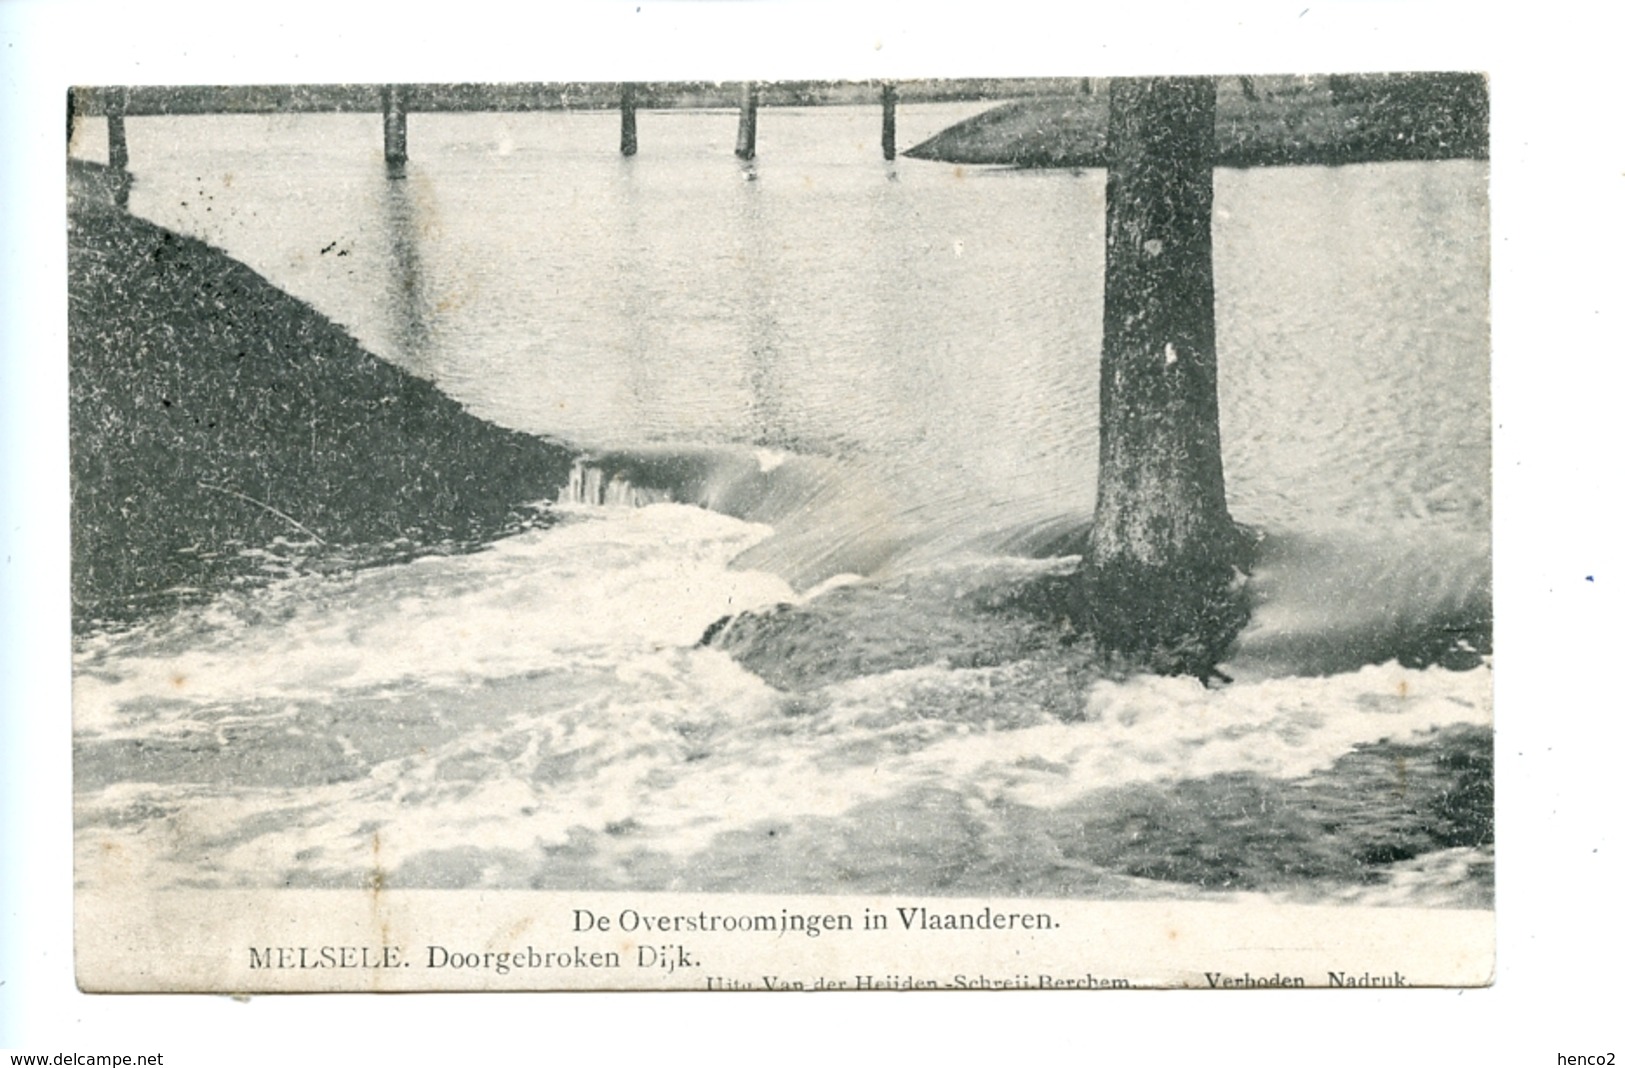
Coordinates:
(1264, 121)
(223, 430)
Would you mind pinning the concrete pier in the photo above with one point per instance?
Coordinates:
(629, 120)
(745, 146)
(888, 121)
(395, 130)
(118, 149)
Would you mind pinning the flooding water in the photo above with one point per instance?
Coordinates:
(858, 399)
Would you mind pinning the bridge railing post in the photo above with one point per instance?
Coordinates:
(395, 130)
(118, 148)
(888, 121)
(629, 120)
(745, 145)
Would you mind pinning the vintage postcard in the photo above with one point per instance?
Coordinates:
(954, 534)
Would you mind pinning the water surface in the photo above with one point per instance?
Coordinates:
(865, 391)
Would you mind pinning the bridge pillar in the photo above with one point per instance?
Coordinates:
(888, 121)
(745, 146)
(629, 120)
(118, 149)
(395, 130)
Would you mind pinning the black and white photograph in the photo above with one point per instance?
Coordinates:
(1050, 533)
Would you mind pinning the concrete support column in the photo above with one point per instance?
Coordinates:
(395, 130)
(888, 121)
(118, 149)
(629, 120)
(745, 146)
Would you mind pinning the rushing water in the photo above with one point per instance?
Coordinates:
(859, 398)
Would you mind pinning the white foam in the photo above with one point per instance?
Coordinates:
(686, 745)
(549, 689)
(582, 593)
